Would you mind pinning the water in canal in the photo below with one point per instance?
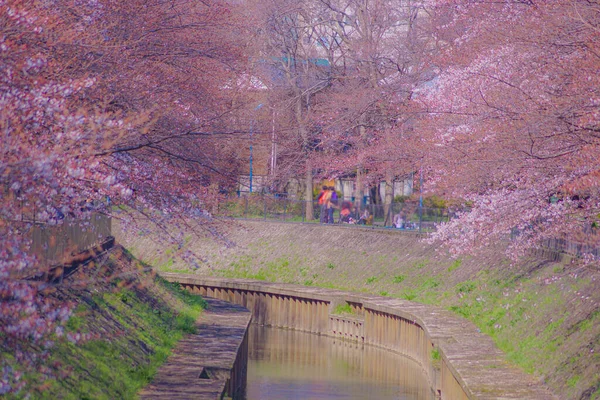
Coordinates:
(287, 364)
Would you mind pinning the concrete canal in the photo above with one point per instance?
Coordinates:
(457, 360)
(286, 364)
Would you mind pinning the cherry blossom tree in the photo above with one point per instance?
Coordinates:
(103, 100)
(515, 118)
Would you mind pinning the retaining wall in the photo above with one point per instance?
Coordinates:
(460, 362)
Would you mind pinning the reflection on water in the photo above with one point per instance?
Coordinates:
(296, 365)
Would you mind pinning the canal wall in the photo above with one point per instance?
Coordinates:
(460, 362)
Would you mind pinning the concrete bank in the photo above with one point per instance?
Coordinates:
(211, 364)
(460, 362)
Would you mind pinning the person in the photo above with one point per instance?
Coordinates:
(346, 212)
(322, 205)
(398, 221)
(333, 200)
(326, 199)
(364, 217)
(334, 196)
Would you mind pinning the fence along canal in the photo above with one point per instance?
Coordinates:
(413, 218)
(54, 239)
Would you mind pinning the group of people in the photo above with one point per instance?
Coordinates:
(400, 221)
(328, 202)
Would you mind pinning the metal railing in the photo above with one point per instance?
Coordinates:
(54, 242)
(407, 216)
(413, 218)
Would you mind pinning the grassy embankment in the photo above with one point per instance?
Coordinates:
(543, 314)
(135, 320)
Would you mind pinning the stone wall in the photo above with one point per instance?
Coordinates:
(460, 362)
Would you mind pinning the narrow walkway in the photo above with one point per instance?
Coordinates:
(201, 363)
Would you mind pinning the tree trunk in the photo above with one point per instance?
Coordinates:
(308, 194)
(303, 133)
(389, 197)
(358, 190)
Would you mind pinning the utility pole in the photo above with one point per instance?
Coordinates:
(420, 198)
(258, 107)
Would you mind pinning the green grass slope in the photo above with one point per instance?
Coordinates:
(543, 314)
(134, 319)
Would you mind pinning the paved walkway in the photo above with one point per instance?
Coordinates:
(201, 363)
